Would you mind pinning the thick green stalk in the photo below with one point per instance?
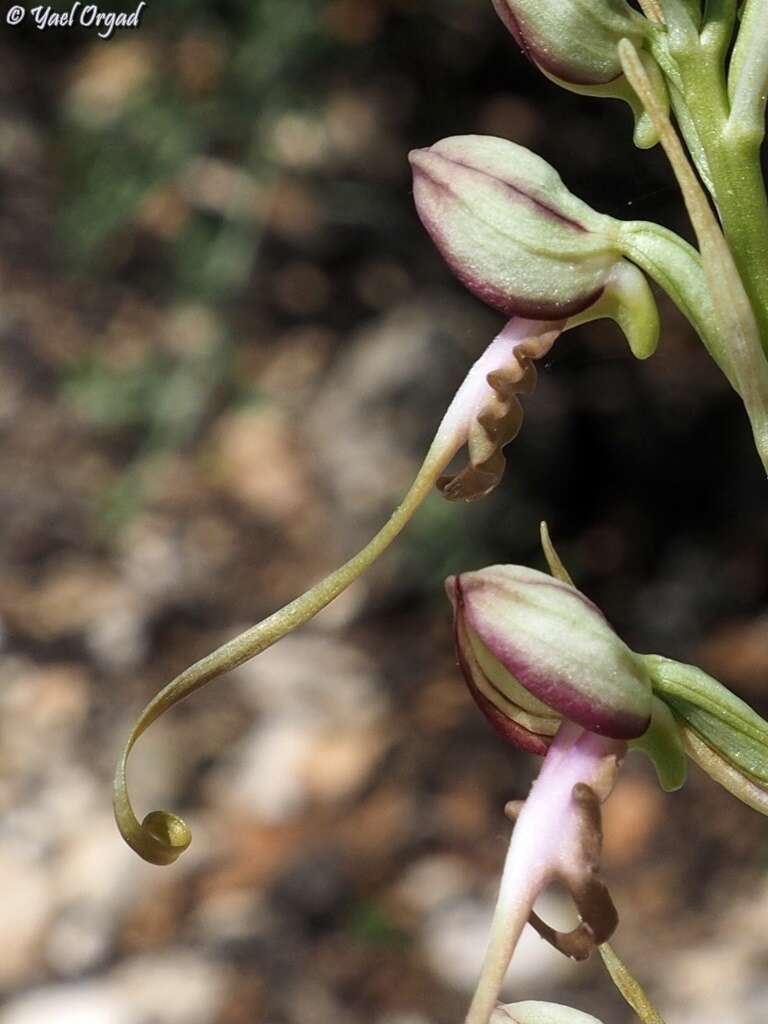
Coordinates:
(734, 317)
(732, 148)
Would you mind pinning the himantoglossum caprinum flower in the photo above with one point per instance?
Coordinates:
(553, 678)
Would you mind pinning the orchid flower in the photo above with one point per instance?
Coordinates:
(553, 678)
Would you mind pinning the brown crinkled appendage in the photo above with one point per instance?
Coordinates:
(496, 424)
(599, 918)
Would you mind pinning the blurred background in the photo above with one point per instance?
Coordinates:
(226, 341)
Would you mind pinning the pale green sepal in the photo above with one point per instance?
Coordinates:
(663, 745)
(725, 722)
(534, 1012)
(628, 300)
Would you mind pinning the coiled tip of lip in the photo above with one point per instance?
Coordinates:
(162, 838)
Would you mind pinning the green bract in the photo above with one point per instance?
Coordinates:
(716, 721)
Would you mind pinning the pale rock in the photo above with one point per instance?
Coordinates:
(340, 762)
(264, 775)
(310, 1002)
(96, 871)
(152, 561)
(106, 78)
(315, 672)
(73, 594)
(26, 911)
(256, 460)
(321, 730)
(176, 986)
(65, 796)
(78, 941)
(403, 1018)
(117, 638)
(47, 705)
(92, 1002)
(454, 940)
(225, 915)
(432, 882)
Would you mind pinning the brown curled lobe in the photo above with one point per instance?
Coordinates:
(496, 424)
(599, 918)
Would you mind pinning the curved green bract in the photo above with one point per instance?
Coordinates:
(725, 722)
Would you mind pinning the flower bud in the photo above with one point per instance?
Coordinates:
(520, 241)
(533, 649)
(573, 40)
(722, 733)
(530, 1012)
(575, 44)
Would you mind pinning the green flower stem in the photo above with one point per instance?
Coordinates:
(734, 316)
(732, 148)
(630, 988)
